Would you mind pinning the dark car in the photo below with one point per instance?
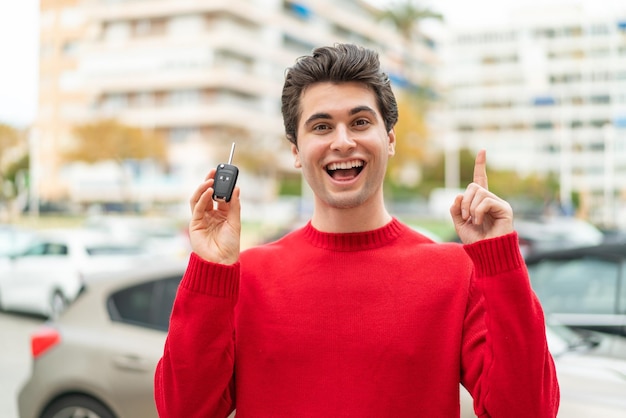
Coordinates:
(555, 233)
(584, 288)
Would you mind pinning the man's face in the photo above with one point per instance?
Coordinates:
(343, 146)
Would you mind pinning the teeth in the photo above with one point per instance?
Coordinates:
(345, 165)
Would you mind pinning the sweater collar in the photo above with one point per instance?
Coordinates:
(354, 241)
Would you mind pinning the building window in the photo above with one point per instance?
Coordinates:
(183, 97)
(143, 99)
(116, 31)
(116, 101)
(70, 48)
(599, 123)
(298, 45)
(544, 125)
(599, 29)
(600, 99)
(234, 61)
(182, 134)
(298, 9)
(544, 101)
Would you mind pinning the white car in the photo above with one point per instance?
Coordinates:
(162, 236)
(591, 370)
(48, 274)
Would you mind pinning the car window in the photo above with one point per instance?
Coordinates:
(586, 285)
(148, 304)
(165, 302)
(97, 250)
(46, 248)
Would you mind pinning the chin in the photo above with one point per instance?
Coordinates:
(346, 201)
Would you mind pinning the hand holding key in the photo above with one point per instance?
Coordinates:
(215, 226)
(479, 214)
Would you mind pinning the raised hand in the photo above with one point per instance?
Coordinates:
(215, 228)
(479, 214)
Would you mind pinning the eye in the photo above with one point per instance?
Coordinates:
(321, 127)
(361, 122)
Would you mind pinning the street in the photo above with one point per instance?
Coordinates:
(15, 359)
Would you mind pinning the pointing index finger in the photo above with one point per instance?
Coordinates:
(480, 169)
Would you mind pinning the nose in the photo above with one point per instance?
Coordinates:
(342, 140)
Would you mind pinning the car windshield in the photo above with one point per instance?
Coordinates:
(13, 241)
(98, 250)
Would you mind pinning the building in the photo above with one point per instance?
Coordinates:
(202, 73)
(546, 93)
(61, 101)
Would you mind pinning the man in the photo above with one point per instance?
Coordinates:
(354, 314)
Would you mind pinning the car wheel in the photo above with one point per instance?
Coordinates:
(77, 406)
(58, 303)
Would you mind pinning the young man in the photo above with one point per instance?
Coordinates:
(354, 314)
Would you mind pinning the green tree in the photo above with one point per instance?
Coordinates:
(110, 140)
(412, 132)
(406, 16)
(411, 137)
(526, 194)
(9, 139)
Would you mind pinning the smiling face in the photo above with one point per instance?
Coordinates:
(343, 146)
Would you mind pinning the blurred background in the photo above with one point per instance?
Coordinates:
(112, 111)
(112, 106)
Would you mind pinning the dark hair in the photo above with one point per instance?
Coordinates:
(337, 64)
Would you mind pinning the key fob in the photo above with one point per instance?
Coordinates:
(225, 179)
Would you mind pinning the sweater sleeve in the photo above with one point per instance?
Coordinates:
(506, 363)
(194, 378)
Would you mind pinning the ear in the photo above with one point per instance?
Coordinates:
(296, 156)
(391, 147)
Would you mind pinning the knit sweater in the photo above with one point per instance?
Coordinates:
(377, 324)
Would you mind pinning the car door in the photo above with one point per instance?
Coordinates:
(140, 318)
(583, 291)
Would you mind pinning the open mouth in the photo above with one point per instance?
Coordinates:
(345, 170)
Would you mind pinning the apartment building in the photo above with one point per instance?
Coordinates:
(546, 93)
(61, 100)
(202, 73)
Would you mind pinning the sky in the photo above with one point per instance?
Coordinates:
(19, 37)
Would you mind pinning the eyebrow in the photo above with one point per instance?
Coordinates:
(353, 111)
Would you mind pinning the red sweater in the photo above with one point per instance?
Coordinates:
(377, 324)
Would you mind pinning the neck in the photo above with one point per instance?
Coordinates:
(365, 217)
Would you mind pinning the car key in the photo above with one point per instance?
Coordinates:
(225, 179)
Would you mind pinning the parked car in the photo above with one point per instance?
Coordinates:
(158, 235)
(49, 273)
(14, 239)
(98, 358)
(583, 287)
(591, 371)
(555, 233)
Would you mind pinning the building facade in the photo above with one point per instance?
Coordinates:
(545, 93)
(201, 73)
